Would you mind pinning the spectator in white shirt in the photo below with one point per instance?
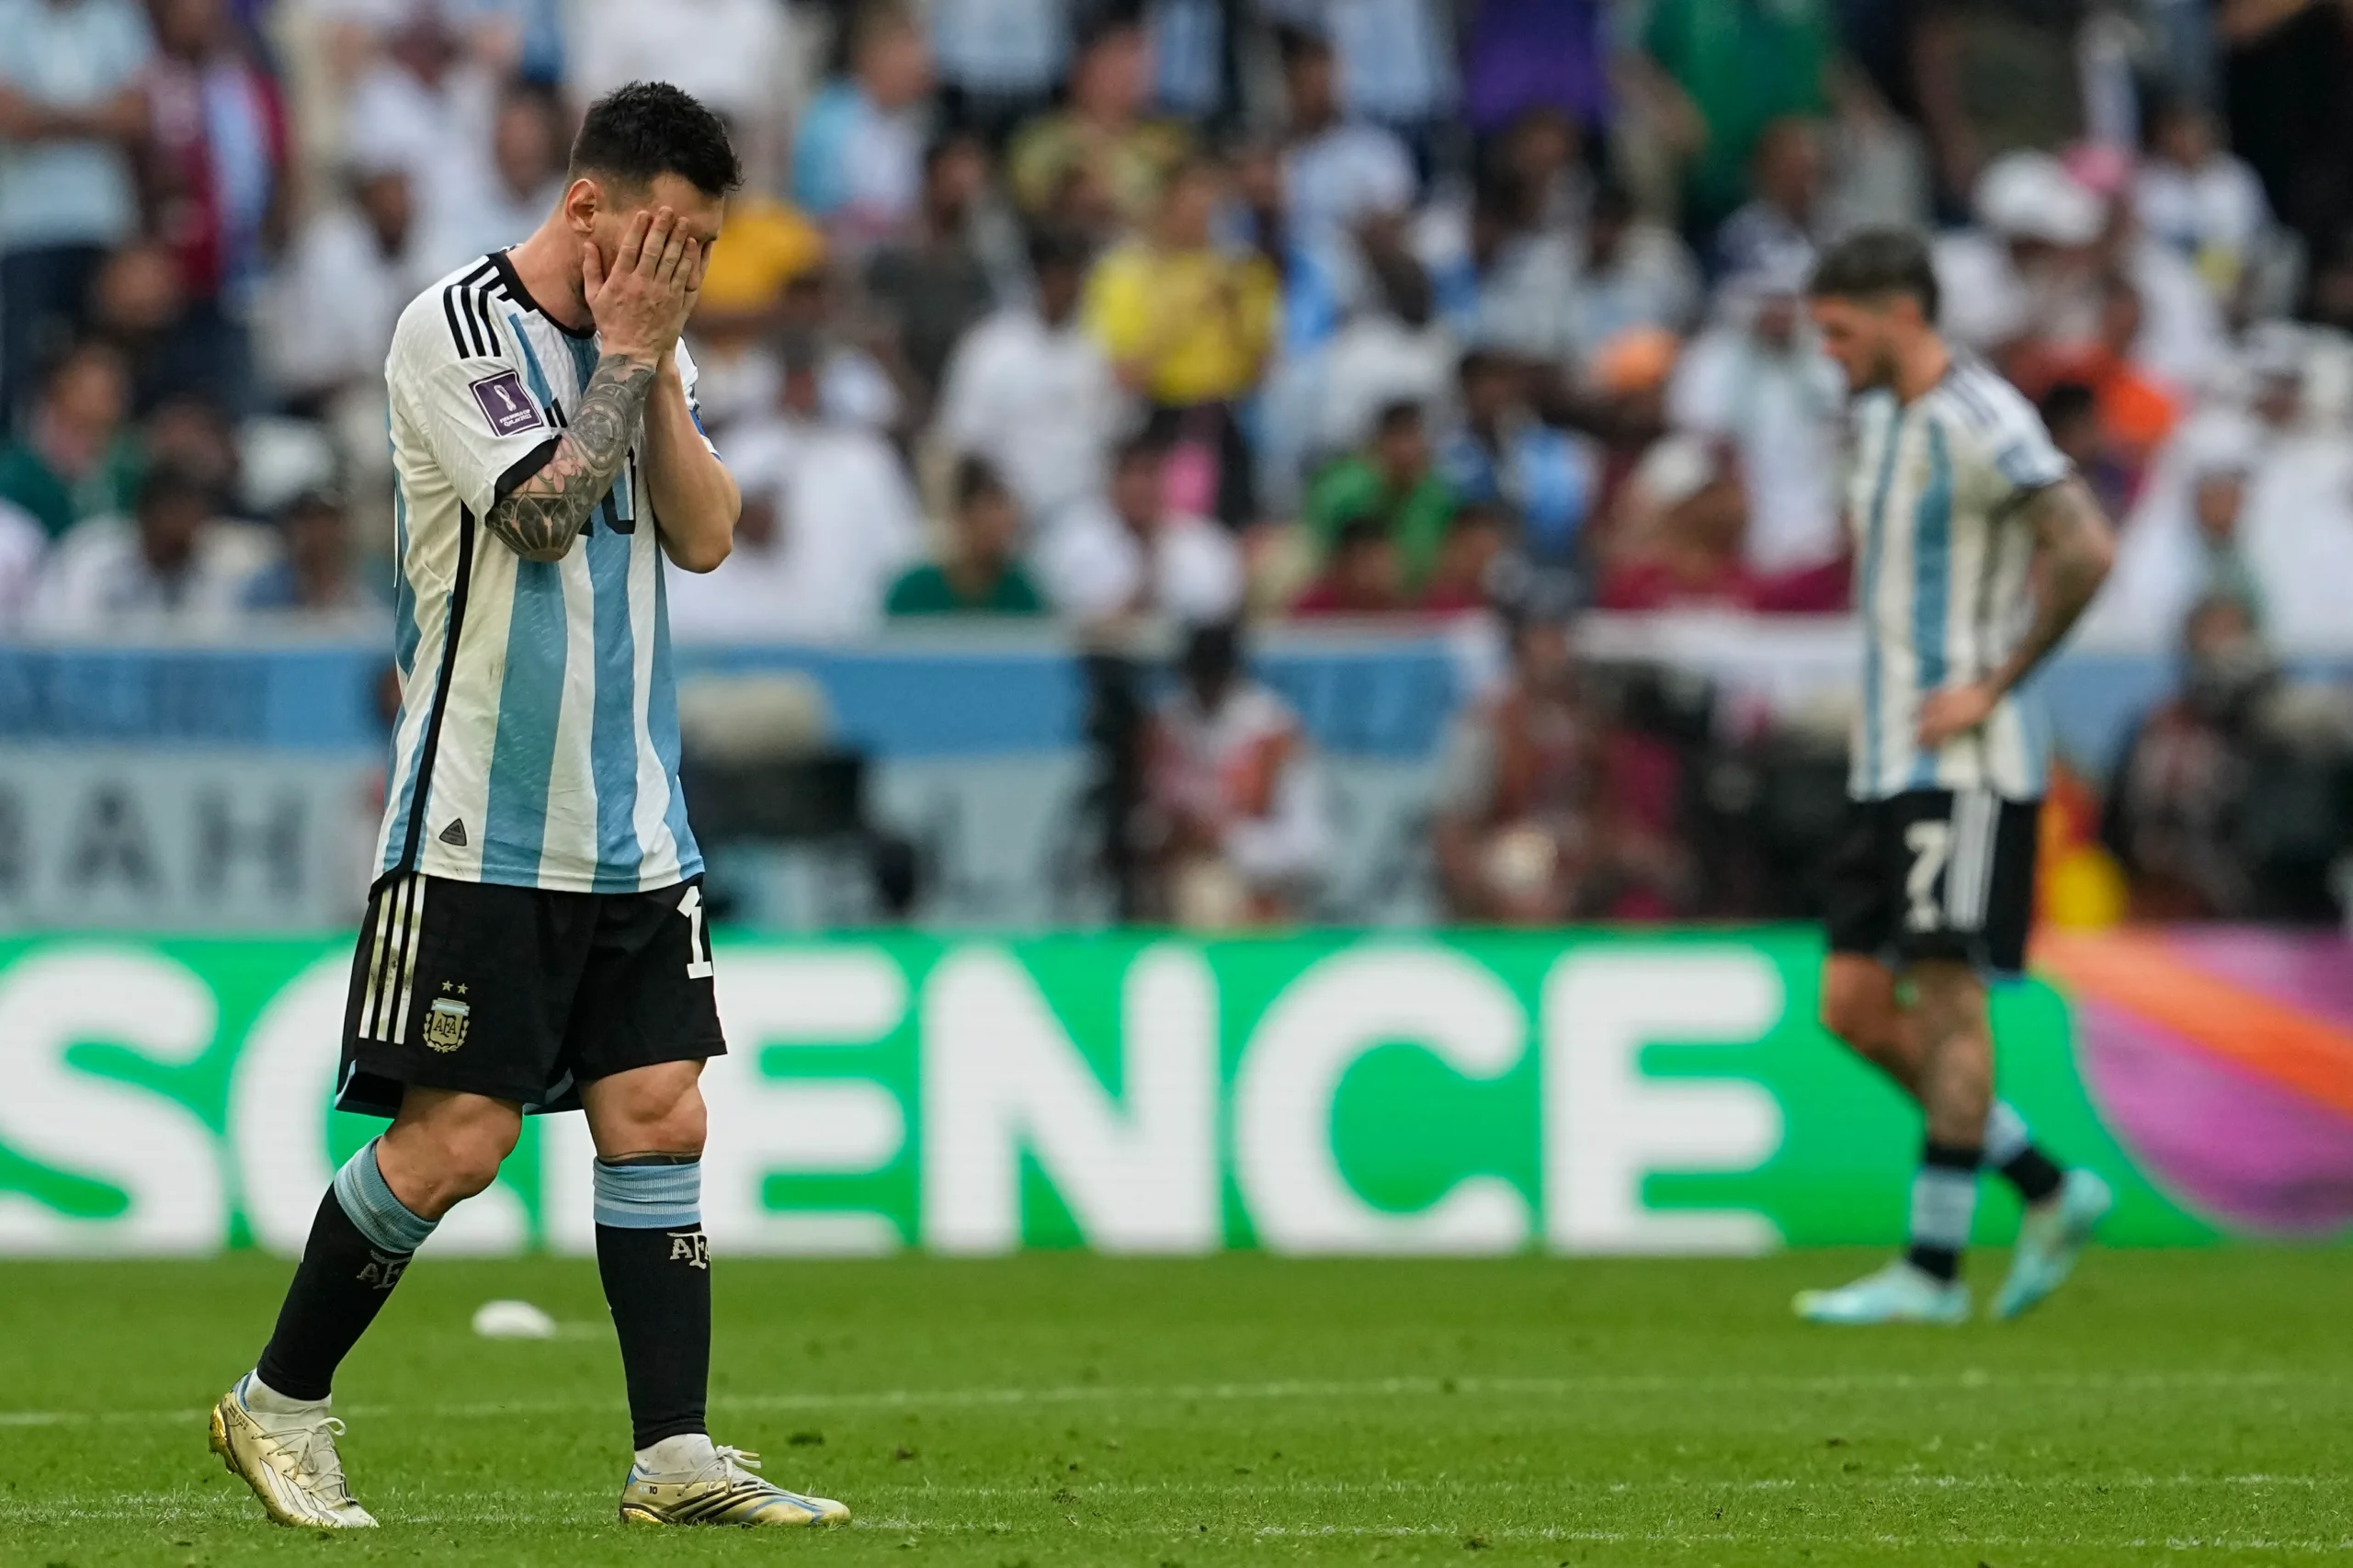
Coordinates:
(1635, 275)
(352, 270)
(1031, 391)
(1321, 404)
(170, 565)
(1125, 556)
(1784, 217)
(1503, 280)
(858, 154)
(1336, 172)
(429, 108)
(1755, 383)
(528, 165)
(2197, 199)
(830, 520)
(2294, 529)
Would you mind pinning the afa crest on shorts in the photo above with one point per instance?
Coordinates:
(445, 1022)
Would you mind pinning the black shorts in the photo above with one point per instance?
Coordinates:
(1934, 874)
(521, 993)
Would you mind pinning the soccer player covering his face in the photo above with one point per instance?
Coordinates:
(1976, 548)
(535, 941)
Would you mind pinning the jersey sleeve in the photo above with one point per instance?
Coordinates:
(692, 377)
(455, 380)
(2016, 454)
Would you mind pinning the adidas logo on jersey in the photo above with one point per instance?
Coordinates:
(455, 834)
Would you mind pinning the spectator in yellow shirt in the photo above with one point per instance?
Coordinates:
(1103, 135)
(1187, 325)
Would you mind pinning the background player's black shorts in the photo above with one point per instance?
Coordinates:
(520, 992)
(1934, 874)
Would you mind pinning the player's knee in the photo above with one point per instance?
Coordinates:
(679, 1130)
(651, 1112)
(470, 1157)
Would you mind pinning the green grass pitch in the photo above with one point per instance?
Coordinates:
(1061, 1409)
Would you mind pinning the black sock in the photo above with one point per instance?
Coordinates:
(1944, 1201)
(342, 1282)
(2010, 1149)
(2036, 1178)
(655, 1265)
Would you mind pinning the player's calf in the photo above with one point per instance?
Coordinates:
(655, 1265)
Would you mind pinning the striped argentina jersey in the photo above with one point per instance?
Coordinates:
(1941, 579)
(538, 738)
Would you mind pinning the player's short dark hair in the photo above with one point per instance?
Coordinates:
(1874, 262)
(646, 129)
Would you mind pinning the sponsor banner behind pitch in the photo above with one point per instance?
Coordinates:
(1587, 1092)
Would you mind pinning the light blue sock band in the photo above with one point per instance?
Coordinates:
(1944, 1201)
(650, 1197)
(2005, 1135)
(384, 1220)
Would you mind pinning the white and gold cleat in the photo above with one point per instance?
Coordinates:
(724, 1491)
(290, 1462)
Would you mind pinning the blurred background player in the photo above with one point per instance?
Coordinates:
(1963, 512)
(535, 939)
(1235, 820)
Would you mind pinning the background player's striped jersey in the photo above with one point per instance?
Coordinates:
(538, 738)
(1942, 565)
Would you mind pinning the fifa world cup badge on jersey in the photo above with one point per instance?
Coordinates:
(445, 1023)
(504, 404)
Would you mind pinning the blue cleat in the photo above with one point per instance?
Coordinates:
(1898, 1293)
(2050, 1238)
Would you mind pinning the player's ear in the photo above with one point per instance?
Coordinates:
(583, 199)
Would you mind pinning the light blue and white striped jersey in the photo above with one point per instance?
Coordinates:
(1942, 559)
(538, 738)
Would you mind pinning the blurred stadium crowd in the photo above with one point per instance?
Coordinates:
(1183, 311)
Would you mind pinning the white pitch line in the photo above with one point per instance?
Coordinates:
(1969, 1379)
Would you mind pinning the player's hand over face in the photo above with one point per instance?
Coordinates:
(641, 300)
(1955, 710)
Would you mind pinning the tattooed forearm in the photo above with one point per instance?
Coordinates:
(546, 512)
(2075, 549)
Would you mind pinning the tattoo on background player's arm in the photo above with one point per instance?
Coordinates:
(2075, 547)
(546, 512)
